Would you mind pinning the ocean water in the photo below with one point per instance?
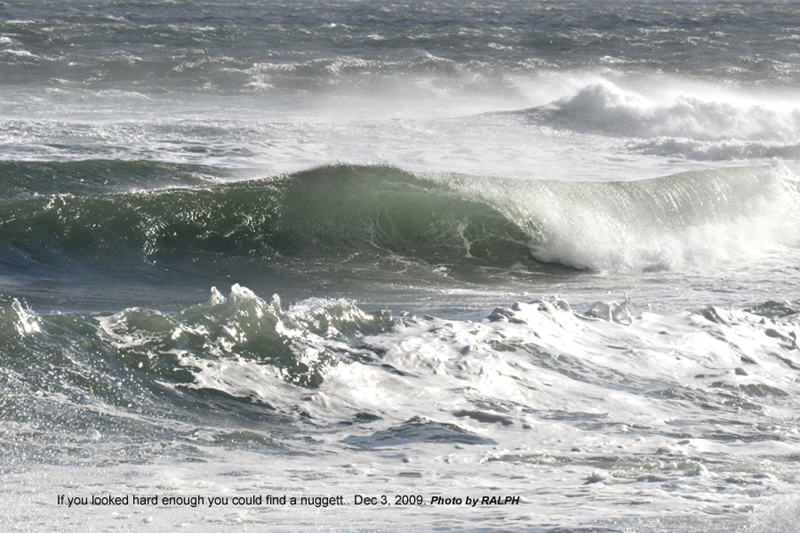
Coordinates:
(542, 255)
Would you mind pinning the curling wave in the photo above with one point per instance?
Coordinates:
(335, 212)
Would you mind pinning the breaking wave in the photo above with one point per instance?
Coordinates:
(334, 212)
(326, 361)
(607, 109)
(694, 124)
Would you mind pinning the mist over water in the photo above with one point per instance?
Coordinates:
(546, 250)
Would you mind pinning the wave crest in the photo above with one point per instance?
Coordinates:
(607, 109)
(463, 223)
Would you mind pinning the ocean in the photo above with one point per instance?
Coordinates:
(417, 265)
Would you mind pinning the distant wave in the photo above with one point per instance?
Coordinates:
(333, 212)
(607, 109)
(694, 126)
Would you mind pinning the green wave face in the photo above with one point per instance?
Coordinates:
(326, 212)
(363, 213)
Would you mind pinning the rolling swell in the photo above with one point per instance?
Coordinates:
(366, 213)
(327, 212)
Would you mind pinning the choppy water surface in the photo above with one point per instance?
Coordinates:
(536, 250)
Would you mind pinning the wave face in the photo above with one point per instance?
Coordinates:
(695, 219)
(329, 212)
(691, 219)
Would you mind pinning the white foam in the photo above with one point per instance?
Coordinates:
(608, 108)
(700, 220)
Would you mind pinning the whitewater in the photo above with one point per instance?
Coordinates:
(399, 266)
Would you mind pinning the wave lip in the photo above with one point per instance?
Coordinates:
(687, 220)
